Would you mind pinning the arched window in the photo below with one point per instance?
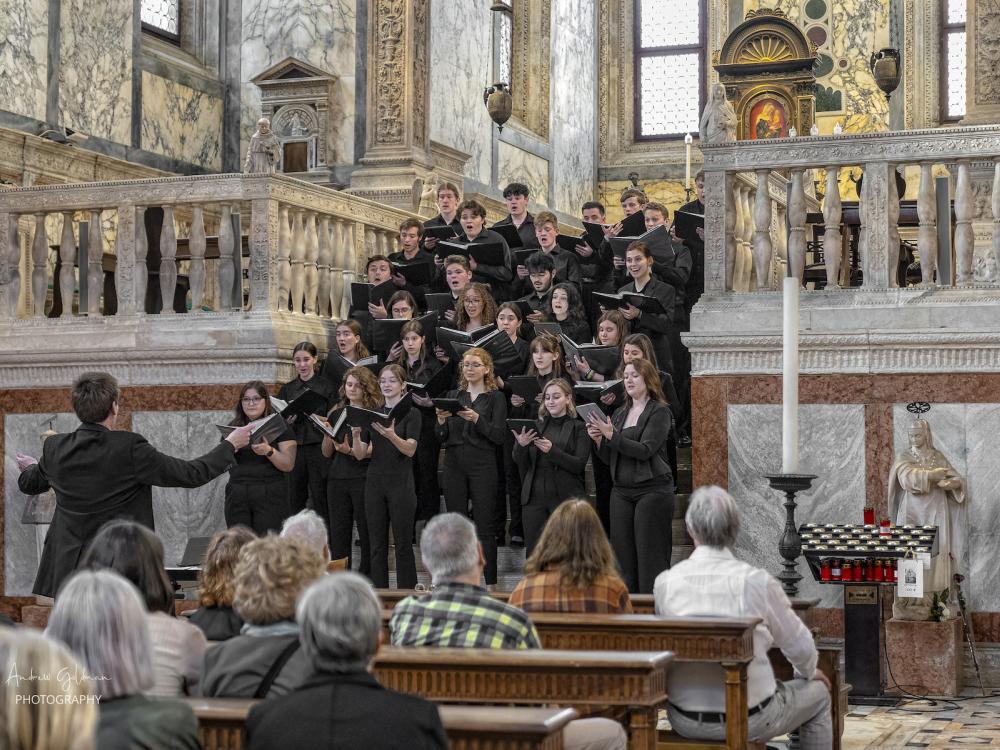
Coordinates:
(953, 60)
(162, 17)
(670, 37)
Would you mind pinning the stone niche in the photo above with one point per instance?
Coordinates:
(295, 97)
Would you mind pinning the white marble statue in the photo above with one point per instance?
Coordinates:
(718, 121)
(264, 151)
(925, 489)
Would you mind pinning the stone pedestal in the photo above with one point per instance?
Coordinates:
(925, 657)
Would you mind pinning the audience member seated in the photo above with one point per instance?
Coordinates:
(101, 619)
(713, 583)
(216, 617)
(341, 704)
(572, 568)
(135, 552)
(308, 527)
(33, 667)
(265, 659)
(459, 612)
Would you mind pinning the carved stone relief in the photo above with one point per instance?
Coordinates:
(987, 51)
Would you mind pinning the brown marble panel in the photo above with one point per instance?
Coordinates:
(986, 627)
(710, 432)
(878, 455)
(828, 622)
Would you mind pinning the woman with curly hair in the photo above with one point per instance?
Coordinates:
(566, 305)
(476, 308)
(345, 491)
(572, 568)
(471, 438)
(216, 616)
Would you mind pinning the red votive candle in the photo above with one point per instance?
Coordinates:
(869, 515)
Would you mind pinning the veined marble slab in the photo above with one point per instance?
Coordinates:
(461, 66)
(22, 432)
(95, 68)
(832, 446)
(24, 56)
(574, 84)
(180, 122)
(517, 165)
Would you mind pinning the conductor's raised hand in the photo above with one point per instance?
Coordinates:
(240, 437)
(24, 460)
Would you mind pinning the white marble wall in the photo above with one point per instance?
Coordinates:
(183, 513)
(22, 432)
(574, 114)
(319, 32)
(832, 446)
(967, 435)
(182, 123)
(518, 165)
(24, 56)
(95, 69)
(461, 67)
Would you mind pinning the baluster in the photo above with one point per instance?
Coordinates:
(168, 261)
(39, 266)
(227, 246)
(311, 257)
(763, 251)
(126, 282)
(832, 243)
(284, 259)
(341, 245)
(927, 244)
(298, 260)
(323, 262)
(67, 271)
(141, 252)
(9, 276)
(797, 223)
(892, 209)
(864, 218)
(964, 238)
(95, 267)
(732, 218)
(746, 258)
(735, 264)
(996, 218)
(196, 245)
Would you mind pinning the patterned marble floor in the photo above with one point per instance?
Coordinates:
(939, 724)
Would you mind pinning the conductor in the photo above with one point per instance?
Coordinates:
(99, 474)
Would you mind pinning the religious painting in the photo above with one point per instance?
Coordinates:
(768, 119)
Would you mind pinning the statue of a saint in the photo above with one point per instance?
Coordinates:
(925, 489)
(264, 151)
(718, 121)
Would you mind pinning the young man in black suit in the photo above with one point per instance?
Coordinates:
(516, 196)
(100, 473)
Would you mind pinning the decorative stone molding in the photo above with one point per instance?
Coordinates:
(921, 71)
(983, 50)
(531, 65)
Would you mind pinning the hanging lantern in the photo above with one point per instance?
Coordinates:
(499, 103)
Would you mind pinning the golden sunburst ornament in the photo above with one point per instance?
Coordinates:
(766, 48)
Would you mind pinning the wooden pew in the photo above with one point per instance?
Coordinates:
(222, 725)
(634, 684)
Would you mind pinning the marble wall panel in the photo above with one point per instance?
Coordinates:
(668, 192)
(574, 83)
(24, 56)
(180, 122)
(183, 513)
(517, 165)
(461, 66)
(832, 446)
(319, 32)
(21, 541)
(95, 68)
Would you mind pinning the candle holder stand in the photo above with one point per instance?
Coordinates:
(688, 192)
(790, 545)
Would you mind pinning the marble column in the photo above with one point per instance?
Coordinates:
(397, 132)
(982, 87)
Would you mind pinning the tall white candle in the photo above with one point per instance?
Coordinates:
(687, 160)
(790, 378)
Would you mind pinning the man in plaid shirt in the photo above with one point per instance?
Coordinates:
(460, 612)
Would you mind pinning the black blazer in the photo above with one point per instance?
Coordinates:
(656, 326)
(570, 451)
(99, 475)
(487, 433)
(643, 454)
(345, 711)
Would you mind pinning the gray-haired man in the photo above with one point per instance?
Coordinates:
(713, 583)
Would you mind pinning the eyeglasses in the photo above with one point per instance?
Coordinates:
(473, 364)
(252, 400)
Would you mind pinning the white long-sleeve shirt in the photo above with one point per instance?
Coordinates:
(713, 583)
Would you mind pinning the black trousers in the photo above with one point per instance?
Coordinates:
(602, 490)
(425, 474)
(641, 525)
(261, 506)
(391, 500)
(307, 479)
(470, 474)
(535, 515)
(508, 490)
(345, 502)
